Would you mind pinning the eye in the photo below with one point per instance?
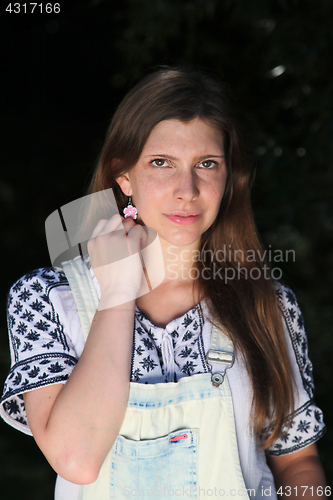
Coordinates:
(208, 164)
(160, 162)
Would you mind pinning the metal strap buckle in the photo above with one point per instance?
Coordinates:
(223, 357)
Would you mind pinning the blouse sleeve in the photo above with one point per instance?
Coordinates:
(307, 425)
(41, 353)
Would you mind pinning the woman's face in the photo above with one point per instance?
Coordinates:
(179, 180)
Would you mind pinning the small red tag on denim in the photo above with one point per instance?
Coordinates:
(177, 438)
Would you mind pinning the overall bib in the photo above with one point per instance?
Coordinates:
(177, 439)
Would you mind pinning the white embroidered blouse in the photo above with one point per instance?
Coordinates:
(46, 341)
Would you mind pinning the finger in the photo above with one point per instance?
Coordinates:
(113, 224)
(103, 227)
(100, 224)
(123, 223)
(137, 238)
(153, 260)
(108, 225)
(110, 244)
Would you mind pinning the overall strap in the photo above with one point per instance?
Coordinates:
(221, 352)
(83, 289)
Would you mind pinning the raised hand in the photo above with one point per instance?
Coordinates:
(115, 253)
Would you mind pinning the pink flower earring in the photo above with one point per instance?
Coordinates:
(130, 210)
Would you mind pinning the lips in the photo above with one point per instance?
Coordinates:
(184, 213)
(184, 216)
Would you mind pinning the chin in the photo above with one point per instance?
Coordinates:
(181, 241)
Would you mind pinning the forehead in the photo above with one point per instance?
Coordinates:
(174, 133)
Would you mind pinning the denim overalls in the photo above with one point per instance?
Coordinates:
(176, 439)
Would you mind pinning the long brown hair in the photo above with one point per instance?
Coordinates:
(247, 305)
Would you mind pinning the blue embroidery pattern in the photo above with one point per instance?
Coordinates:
(307, 425)
(147, 364)
(34, 327)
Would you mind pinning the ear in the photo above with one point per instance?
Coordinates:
(125, 184)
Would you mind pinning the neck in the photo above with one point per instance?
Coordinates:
(179, 261)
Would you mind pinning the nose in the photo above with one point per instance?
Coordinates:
(186, 186)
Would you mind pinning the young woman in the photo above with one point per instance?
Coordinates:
(201, 386)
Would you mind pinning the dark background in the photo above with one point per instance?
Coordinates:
(62, 77)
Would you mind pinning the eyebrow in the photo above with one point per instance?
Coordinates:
(197, 158)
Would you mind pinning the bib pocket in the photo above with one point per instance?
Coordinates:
(152, 468)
